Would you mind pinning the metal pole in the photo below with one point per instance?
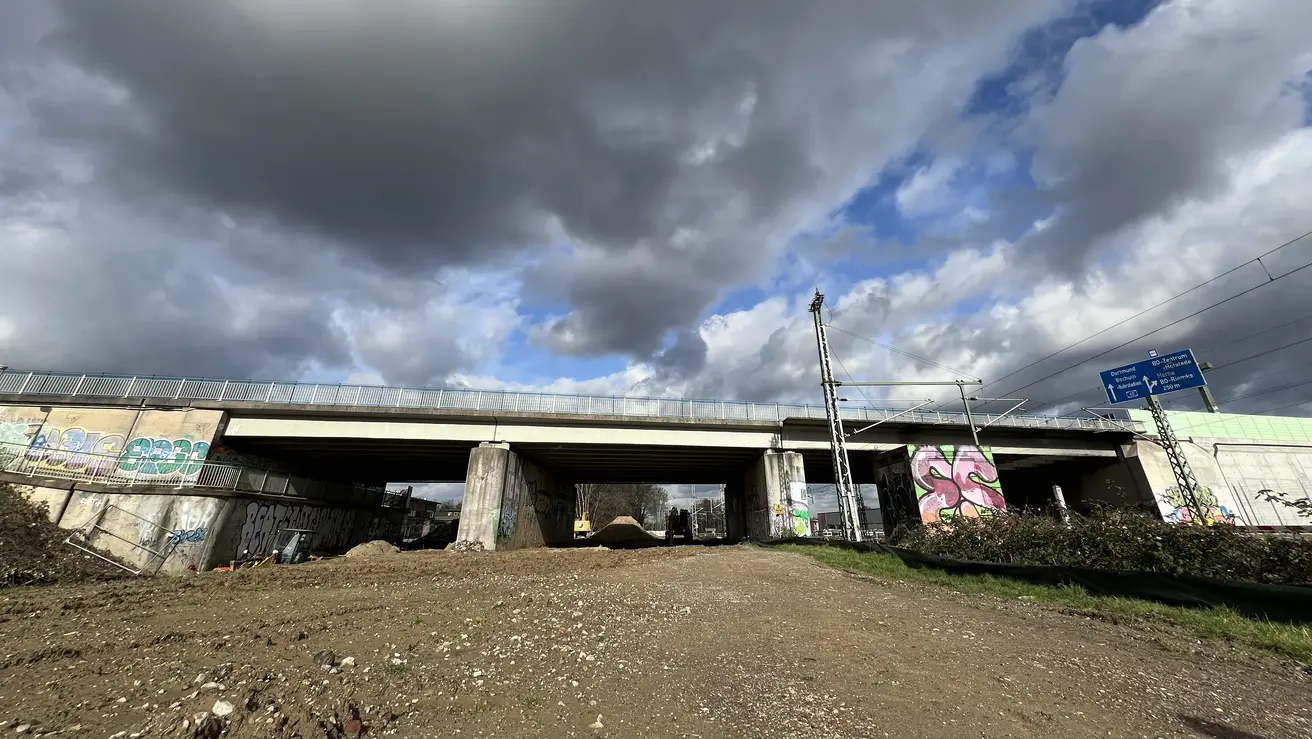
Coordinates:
(847, 502)
(1209, 402)
(1184, 474)
(965, 402)
(1061, 504)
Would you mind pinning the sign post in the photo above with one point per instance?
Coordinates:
(1145, 380)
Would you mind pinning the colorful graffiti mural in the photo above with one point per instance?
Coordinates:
(19, 432)
(1179, 509)
(955, 481)
(100, 453)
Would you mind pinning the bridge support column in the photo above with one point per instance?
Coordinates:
(771, 500)
(937, 483)
(511, 503)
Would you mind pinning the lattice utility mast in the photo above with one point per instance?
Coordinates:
(1184, 474)
(847, 504)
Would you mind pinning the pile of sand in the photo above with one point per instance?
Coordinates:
(375, 548)
(623, 533)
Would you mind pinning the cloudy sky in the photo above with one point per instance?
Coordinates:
(640, 198)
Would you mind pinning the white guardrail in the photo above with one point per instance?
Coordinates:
(173, 471)
(73, 386)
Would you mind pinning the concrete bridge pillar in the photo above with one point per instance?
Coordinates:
(511, 503)
(770, 502)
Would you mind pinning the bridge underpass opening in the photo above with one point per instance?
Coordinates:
(1086, 482)
(506, 484)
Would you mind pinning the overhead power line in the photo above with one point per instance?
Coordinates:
(895, 350)
(1261, 354)
(1245, 396)
(1282, 407)
(1210, 373)
(1250, 337)
(1227, 273)
(1161, 328)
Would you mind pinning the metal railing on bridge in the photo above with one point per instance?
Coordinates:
(137, 471)
(44, 384)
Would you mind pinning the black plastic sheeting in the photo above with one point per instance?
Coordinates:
(1282, 603)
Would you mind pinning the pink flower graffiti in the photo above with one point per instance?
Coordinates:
(955, 481)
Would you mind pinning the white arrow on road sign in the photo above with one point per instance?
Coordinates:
(1112, 390)
(1149, 383)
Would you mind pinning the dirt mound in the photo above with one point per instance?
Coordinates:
(374, 548)
(32, 549)
(623, 533)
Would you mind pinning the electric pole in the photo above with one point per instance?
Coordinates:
(1209, 402)
(847, 503)
(1184, 474)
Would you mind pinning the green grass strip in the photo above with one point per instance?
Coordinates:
(1213, 623)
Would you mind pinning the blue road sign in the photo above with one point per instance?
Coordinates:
(1155, 376)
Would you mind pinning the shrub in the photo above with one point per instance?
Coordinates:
(1120, 540)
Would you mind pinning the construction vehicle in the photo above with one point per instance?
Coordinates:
(291, 546)
(678, 525)
(582, 527)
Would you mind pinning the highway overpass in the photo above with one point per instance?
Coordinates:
(547, 442)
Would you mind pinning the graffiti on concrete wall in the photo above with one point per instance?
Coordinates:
(16, 431)
(187, 536)
(19, 432)
(334, 527)
(897, 496)
(100, 453)
(954, 481)
(531, 494)
(508, 519)
(1178, 508)
(100, 441)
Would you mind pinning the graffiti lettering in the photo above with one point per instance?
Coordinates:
(187, 536)
(335, 528)
(78, 449)
(956, 481)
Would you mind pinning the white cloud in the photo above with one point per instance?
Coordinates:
(929, 189)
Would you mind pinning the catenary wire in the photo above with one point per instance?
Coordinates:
(1200, 285)
(1160, 328)
(894, 349)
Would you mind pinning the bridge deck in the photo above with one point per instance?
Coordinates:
(38, 386)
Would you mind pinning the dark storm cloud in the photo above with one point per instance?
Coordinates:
(426, 134)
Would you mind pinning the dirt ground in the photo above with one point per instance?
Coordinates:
(681, 642)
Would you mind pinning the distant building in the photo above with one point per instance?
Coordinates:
(422, 516)
(874, 519)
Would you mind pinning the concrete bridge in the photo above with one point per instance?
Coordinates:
(519, 454)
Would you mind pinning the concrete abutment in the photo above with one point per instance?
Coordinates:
(511, 503)
(769, 501)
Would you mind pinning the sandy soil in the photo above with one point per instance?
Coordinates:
(681, 642)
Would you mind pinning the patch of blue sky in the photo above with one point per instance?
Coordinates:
(1037, 66)
(524, 362)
